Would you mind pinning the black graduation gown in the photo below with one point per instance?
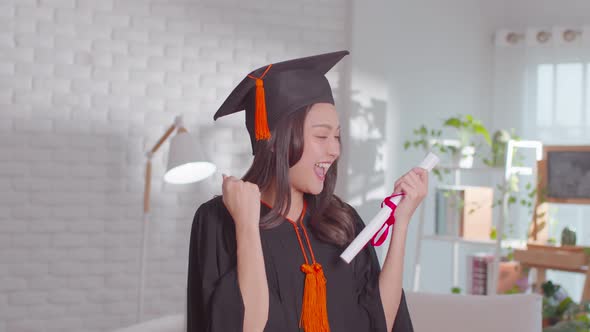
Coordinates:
(214, 299)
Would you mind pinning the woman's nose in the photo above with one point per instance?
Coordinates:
(334, 148)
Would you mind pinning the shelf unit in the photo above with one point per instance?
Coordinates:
(508, 170)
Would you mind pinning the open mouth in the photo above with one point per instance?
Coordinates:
(321, 169)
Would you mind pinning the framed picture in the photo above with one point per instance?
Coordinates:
(464, 211)
(565, 175)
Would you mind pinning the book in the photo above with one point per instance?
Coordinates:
(480, 274)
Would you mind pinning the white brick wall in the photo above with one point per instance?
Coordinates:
(86, 87)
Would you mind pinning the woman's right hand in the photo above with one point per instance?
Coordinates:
(242, 200)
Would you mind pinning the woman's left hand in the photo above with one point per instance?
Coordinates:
(414, 185)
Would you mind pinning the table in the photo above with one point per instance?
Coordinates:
(562, 258)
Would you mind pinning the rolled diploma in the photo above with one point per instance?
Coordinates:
(377, 222)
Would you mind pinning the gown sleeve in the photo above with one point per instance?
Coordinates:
(214, 300)
(366, 270)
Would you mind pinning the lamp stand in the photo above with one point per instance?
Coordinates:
(146, 214)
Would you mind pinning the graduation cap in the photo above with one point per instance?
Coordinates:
(271, 92)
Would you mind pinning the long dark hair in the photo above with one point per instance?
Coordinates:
(331, 219)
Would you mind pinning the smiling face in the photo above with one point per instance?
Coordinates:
(321, 147)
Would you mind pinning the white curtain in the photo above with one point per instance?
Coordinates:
(542, 90)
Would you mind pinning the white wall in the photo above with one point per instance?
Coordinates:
(432, 60)
(428, 60)
(86, 87)
(528, 13)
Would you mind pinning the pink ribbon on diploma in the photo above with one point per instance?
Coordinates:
(388, 223)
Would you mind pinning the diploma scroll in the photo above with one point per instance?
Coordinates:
(377, 222)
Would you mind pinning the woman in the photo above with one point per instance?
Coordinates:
(265, 255)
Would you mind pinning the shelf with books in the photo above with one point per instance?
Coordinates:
(506, 243)
(482, 278)
(520, 170)
(463, 214)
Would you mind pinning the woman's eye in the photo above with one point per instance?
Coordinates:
(322, 137)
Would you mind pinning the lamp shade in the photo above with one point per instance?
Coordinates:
(185, 161)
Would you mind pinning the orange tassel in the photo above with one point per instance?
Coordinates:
(261, 124)
(261, 131)
(314, 313)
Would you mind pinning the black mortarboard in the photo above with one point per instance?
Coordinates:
(273, 91)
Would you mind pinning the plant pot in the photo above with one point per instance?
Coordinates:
(550, 321)
(465, 158)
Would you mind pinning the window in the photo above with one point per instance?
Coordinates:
(562, 99)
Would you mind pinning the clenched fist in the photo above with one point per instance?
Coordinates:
(242, 200)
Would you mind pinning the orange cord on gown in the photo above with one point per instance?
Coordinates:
(314, 311)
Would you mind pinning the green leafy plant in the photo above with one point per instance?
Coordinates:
(466, 129)
(456, 290)
(561, 313)
(510, 254)
(427, 139)
(512, 193)
(499, 148)
(566, 316)
(494, 233)
(514, 290)
(549, 289)
(424, 135)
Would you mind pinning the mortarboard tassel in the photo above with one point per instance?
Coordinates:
(261, 125)
(260, 117)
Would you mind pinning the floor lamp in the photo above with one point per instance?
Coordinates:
(185, 165)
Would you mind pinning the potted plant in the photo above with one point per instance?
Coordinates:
(560, 312)
(555, 303)
(498, 148)
(568, 237)
(461, 150)
(467, 128)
